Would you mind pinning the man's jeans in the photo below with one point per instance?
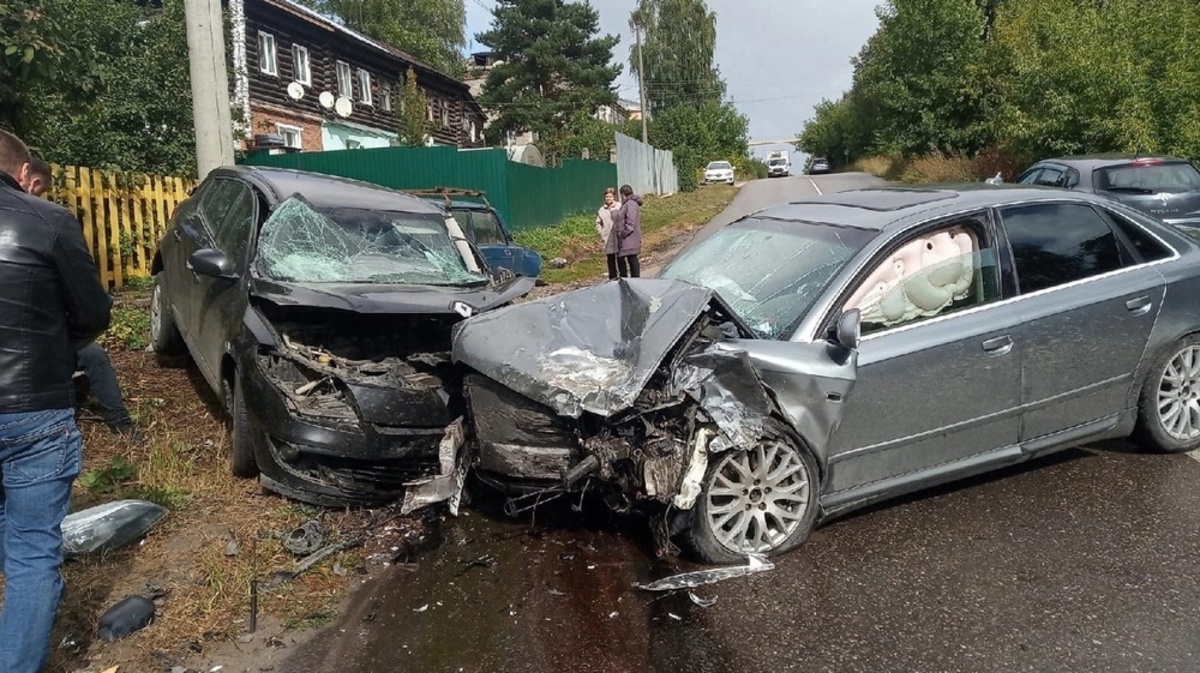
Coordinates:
(40, 455)
(103, 383)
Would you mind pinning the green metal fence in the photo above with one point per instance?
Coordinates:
(526, 196)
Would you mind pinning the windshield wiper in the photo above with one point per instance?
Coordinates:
(1131, 190)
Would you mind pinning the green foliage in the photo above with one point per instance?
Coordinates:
(549, 242)
(697, 135)
(110, 477)
(130, 327)
(38, 47)
(584, 132)
(434, 31)
(554, 67)
(413, 122)
(1016, 80)
(138, 114)
(677, 52)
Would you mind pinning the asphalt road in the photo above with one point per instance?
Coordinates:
(1081, 561)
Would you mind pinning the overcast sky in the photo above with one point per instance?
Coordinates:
(779, 57)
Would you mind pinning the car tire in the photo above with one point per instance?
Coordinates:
(1156, 428)
(718, 514)
(242, 461)
(164, 335)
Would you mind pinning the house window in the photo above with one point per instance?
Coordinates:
(266, 53)
(291, 135)
(344, 85)
(445, 114)
(429, 111)
(364, 86)
(385, 97)
(353, 145)
(474, 135)
(301, 65)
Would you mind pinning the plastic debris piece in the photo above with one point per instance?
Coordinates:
(306, 538)
(674, 616)
(109, 526)
(702, 602)
(423, 608)
(697, 578)
(131, 614)
(231, 548)
(555, 592)
(114, 669)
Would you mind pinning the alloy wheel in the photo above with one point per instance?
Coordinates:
(757, 499)
(155, 313)
(1179, 395)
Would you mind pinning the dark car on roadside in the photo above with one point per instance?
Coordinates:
(818, 165)
(815, 357)
(487, 229)
(319, 311)
(1163, 186)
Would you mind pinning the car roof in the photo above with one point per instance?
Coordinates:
(459, 204)
(327, 191)
(880, 208)
(1091, 162)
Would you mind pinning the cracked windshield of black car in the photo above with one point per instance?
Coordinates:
(301, 243)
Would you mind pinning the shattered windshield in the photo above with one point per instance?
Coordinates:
(769, 272)
(303, 244)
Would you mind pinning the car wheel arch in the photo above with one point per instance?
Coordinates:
(156, 266)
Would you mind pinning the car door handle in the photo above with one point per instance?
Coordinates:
(998, 345)
(1139, 305)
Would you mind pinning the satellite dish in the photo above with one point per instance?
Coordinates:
(343, 106)
(296, 90)
(326, 99)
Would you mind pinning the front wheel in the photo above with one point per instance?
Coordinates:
(762, 502)
(164, 335)
(242, 462)
(1169, 405)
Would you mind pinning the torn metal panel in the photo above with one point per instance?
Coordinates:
(727, 387)
(454, 461)
(701, 577)
(691, 484)
(593, 350)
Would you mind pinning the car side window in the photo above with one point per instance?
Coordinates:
(233, 233)
(1030, 176)
(215, 200)
(947, 269)
(1058, 243)
(1051, 177)
(1148, 247)
(487, 229)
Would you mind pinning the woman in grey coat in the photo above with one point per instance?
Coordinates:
(604, 227)
(627, 223)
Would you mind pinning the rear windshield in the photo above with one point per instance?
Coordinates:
(1149, 178)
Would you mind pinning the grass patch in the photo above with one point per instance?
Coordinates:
(129, 328)
(941, 169)
(575, 239)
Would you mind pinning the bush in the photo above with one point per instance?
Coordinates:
(888, 168)
(935, 168)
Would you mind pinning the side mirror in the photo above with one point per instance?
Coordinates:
(211, 263)
(849, 329)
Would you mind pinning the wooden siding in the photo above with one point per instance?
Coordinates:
(326, 47)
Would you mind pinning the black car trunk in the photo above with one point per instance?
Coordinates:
(1168, 190)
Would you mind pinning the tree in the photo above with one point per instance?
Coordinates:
(552, 66)
(36, 47)
(677, 51)
(137, 114)
(697, 134)
(433, 31)
(412, 113)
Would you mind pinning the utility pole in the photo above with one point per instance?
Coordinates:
(635, 21)
(210, 85)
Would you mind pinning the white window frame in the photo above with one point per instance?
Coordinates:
(345, 80)
(285, 129)
(364, 86)
(445, 114)
(385, 97)
(302, 64)
(268, 61)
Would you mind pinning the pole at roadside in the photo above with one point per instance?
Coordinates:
(636, 21)
(210, 85)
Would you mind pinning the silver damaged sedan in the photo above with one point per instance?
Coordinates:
(815, 357)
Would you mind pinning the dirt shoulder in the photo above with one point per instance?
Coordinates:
(223, 534)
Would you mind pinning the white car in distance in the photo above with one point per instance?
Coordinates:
(718, 171)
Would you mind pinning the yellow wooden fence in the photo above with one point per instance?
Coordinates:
(123, 215)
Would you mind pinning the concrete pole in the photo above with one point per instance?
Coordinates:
(637, 31)
(210, 85)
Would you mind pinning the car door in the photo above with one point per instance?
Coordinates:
(493, 242)
(192, 233)
(937, 391)
(1088, 303)
(221, 302)
(175, 247)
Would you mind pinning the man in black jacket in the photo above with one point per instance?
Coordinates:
(93, 360)
(51, 302)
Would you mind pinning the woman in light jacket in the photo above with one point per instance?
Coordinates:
(604, 227)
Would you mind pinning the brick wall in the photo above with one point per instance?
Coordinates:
(263, 119)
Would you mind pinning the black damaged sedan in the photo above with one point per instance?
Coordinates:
(319, 310)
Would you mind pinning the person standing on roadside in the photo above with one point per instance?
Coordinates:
(628, 224)
(92, 358)
(604, 227)
(53, 303)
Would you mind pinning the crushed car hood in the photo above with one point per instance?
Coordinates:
(371, 298)
(593, 349)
